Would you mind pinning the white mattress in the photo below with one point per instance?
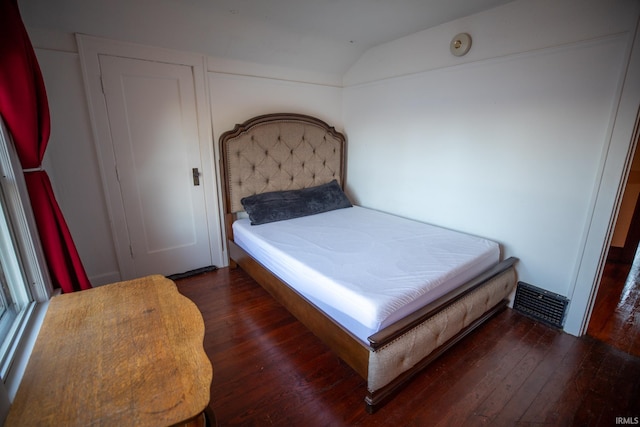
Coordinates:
(365, 268)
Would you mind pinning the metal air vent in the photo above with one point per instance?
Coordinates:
(540, 304)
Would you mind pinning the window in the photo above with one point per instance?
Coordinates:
(15, 296)
(24, 285)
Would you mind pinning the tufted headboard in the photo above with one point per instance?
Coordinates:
(276, 152)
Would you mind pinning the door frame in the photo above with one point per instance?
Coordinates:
(607, 195)
(90, 48)
(625, 254)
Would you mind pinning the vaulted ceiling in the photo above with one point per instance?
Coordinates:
(325, 36)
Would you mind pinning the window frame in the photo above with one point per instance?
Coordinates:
(29, 252)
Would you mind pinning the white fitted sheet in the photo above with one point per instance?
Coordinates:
(365, 268)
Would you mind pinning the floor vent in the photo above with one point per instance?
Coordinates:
(540, 304)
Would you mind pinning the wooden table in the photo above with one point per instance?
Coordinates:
(126, 354)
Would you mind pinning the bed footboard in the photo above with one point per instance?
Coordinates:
(394, 363)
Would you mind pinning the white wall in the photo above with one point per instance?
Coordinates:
(508, 142)
(236, 98)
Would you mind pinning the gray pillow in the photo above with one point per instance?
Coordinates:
(280, 205)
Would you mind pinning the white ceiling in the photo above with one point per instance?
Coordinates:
(325, 36)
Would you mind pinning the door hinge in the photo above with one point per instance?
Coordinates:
(117, 173)
(131, 251)
(101, 84)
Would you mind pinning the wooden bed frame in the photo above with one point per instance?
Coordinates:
(289, 151)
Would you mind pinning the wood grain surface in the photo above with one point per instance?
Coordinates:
(129, 353)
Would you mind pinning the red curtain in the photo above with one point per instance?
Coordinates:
(24, 108)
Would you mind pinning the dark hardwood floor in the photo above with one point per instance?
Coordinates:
(615, 318)
(513, 371)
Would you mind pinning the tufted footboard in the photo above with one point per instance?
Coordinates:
(396, 361)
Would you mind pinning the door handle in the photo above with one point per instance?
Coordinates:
(196, 176)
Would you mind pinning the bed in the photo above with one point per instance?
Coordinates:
(388, 295)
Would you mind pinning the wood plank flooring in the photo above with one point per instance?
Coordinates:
(615, 318)
(513, 371)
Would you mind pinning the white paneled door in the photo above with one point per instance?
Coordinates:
(153, 122)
